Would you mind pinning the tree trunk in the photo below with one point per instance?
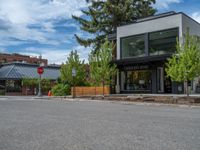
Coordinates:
(103, 88)
(186, 88)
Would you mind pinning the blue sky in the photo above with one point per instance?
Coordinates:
(34, 27)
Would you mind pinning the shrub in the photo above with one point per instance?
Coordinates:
(61, 90)
(46, 85)
(33, 82)
(2, 92)
(29, 82)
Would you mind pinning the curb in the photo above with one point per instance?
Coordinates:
(127, 102)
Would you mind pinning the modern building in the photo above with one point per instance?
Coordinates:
(143, 48)
(12, 75)
(9, 58)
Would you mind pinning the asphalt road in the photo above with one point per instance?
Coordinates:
(65, 125)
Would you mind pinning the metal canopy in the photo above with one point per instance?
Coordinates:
(141, 60)
(17, 71)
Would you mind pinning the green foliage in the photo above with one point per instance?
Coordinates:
(2, 92)
(184, 66)
(101, 68)
(103, 17)
(61, 90)
(33, 82)
(73, 61)
(59, 80)
(45, 85)
(29, 82)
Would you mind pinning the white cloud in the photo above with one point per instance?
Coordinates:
(55, 55)
(26, 11)
(196, 16)
(164, 4)
(16, 17)
(2, 50)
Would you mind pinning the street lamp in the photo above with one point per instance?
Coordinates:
(73, 75)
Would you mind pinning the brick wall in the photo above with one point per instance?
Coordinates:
(8, 58)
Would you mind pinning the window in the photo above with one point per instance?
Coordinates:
(133, 46)
(138, 80)
(162, 42)
(13, 86)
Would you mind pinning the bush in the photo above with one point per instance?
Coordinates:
(61, 90)
(46, 85)
(2, 92)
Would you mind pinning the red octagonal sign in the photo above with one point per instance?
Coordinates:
(40, 70)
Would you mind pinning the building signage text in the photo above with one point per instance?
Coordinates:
(141, 67)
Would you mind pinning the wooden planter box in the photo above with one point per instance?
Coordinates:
(90, 91)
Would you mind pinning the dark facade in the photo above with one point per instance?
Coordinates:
(143, 49)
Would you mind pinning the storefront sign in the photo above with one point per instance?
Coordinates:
(141, 67)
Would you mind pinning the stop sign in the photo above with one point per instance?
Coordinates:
(40, 70)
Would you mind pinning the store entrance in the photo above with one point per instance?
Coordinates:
(164, 84)
(138, 81)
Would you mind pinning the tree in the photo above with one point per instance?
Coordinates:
(73, 61)
(184, 65)
(104, 16)
(101, 68)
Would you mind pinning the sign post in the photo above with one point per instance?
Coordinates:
(73, 75)
(40, 71)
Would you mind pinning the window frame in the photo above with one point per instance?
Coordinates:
(136, 35)
(146, 41)
(178, 32)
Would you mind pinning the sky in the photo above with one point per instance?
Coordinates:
(34, 27)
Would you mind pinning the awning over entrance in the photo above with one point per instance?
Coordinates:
(142, 60)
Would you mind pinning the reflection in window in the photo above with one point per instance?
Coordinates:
(139, 80)
(133, 46)
(163, 42)
(13, 86)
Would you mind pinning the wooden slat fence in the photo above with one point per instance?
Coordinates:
(89, 91)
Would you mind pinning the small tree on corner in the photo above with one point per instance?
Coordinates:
(184, 65)
(73, 61)
(101, 67)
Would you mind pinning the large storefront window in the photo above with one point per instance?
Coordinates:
(138, 80)
(133, 46)
(163, 42)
